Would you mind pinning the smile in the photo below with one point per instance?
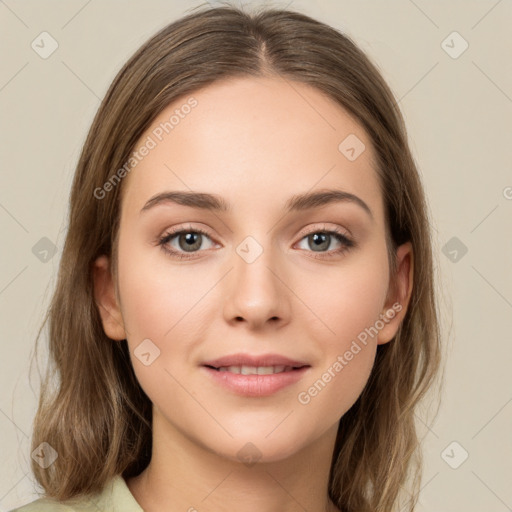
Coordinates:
(255, 381)
(256, 370)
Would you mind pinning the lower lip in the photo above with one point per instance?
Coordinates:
(256, 385)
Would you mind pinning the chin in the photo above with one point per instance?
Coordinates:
(254, 448)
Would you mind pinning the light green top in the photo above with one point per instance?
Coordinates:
(116, 497)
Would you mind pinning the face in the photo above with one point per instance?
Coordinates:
(270, 274)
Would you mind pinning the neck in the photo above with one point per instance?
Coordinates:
(185, 476)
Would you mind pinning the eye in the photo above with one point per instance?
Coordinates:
(327, 243)
(182, 241)
(186, 242)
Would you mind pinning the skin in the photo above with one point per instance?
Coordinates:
(256, 142)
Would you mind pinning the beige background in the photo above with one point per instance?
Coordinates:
(458, 112)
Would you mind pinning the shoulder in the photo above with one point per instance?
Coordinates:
(115, 497)
(44, 505)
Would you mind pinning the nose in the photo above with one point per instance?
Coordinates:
(256, 294)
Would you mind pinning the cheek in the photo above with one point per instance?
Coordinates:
(346, 300)
(348, 345)
(167, 304)
(157, 296)
(158, 303)
(332, 391)
(348, 304)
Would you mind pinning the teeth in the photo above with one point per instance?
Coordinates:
(256, 370)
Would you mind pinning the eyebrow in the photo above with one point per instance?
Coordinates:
(297, 202)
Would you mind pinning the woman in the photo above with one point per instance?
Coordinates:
(245, 312)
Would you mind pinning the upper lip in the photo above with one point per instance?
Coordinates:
(254, 360)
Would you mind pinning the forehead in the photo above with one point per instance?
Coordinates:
(253, 138)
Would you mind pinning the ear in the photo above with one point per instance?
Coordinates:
(399, 294)
(105, 297)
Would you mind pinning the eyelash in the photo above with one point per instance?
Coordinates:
(346, 242)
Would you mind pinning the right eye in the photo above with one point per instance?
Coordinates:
(182, 241)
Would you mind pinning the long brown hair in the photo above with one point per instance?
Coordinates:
(92, 410)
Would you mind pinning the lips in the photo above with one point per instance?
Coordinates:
(255, 376)
(255, 370)
(256, 361)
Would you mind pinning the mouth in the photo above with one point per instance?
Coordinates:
(256, 370)
(255, 376)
